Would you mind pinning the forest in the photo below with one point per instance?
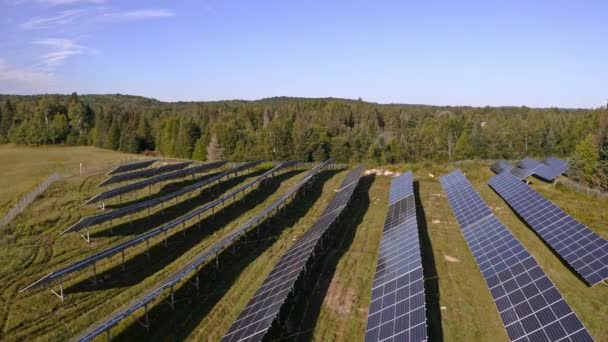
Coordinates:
(282, 128)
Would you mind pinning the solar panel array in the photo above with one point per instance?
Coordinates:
(160, 178)
(585, 251)
(549, 169)
(90, 221)
(520, 173)
(197, 261)
(257, 317)
(501, 166)
(132, 166)
(123, 177)
(558, 164)
(530, 306)
(397, 307)
(91, 260)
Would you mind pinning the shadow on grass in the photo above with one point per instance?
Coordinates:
(192, 305)
(165, 189)
(300, 313)
(431, 278)
(141, 266)
(171, 210)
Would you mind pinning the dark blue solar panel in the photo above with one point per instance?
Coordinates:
(528, 163)
(530, 306)
(581, 248)
(261, 310)
(501, 166)
(401, 187)
(465, 201)
(549, 169)
(521, 173)
(397, 307)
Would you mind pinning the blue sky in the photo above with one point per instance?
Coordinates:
(534, 53)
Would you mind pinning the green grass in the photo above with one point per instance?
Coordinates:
(329, 304)
(22, 168)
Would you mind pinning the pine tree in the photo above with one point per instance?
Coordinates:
(199, 152)
(8, 114)
(113, 141)
(585, 159)
(215, 151)
(464, 148)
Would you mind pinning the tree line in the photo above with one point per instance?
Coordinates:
(311, 130)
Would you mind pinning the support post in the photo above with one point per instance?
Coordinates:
(172, 299)
(60, 294)
(94, 274)
(123, 259)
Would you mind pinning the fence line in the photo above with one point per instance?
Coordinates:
(29, 198)
(578, 187)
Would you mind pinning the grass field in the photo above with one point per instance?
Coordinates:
(328, 304)
(22, 168)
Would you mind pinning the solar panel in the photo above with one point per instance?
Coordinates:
(90, 221)
(160, 178)
(520, 173)
(132, 166)
(557, 163)
(257, 317)
(91, 260)
(585, 251)
(143, 173)
(196, 262)
(549, 169)
(528, 163)
(500, 166)
(397, 306)
(465, 201)
(530, 306)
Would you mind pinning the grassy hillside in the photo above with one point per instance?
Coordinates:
(22, 168)
(330, 303)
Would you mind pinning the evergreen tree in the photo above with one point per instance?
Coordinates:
(199, 152)
(6, 123)
(464, 148)
(113, 141)
(585, 159)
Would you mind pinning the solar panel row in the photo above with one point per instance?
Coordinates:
(257, 317)
(196, 262)
(585, 251)
(397, 307)
(91, 260)
(501, 166)
(549, 169)
(93, 220)
(530, 306)
(132, 166)
(160, 178)
(143, 173)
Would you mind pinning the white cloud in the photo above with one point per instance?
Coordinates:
(139, 14)
(61, 50)
(23, 80)
(63, 18)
